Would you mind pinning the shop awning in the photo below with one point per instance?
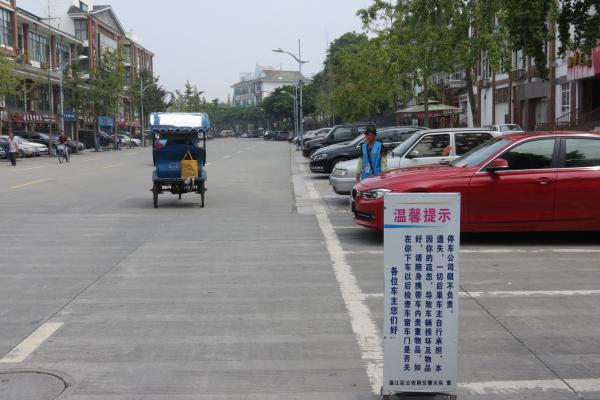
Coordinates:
(435, 110)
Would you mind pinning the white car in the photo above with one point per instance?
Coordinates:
(26, 149)
(425, 147)
(506, 128)
(40, 149)
(125, 139)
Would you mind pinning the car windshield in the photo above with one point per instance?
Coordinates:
(509, 128)
(407, 144)
(357, 140)
(481, 153)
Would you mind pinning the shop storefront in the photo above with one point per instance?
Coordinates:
(33, 121)
(584, 74)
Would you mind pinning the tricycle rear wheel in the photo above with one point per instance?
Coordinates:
(202, 192)
(155, 191)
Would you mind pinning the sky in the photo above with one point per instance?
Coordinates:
(210, 42)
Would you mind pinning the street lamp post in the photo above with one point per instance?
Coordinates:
(61, 71)
(298, 58)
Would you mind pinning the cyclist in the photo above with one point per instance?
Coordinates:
(63, 140)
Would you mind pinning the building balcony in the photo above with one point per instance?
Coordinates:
(518, 75)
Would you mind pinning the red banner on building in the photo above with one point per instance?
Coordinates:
(34, 118)
(583, 65)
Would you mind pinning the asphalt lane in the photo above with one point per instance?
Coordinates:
(529, 324)
(270, 291)
(122, 301)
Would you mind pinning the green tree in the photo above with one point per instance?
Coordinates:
(419, 36)
(584, 17)
(9, 83)
(76, 92)
(108, 86)
(527, 27)
(477, 27)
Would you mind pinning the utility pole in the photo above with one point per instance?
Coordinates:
(301, 111)
(142, 128)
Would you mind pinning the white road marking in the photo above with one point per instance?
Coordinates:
(364, 328)
(31, 183)
(29, 345)
(208, 164)
(349, 227)
(92, 159)
(512, 387)
(240, 152)
(229, 156)
(113, 166)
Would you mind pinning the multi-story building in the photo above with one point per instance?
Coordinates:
(41, 46)
(253, 89)
(568, 99)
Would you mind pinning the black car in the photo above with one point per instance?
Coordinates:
(270, 135)
(325, 159)
(282, 136)
(88, 138)
(37, 137)
(339, 134)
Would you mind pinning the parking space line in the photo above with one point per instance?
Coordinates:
(24, 185)
(517, 293)
(511, 387)
(491, 251)
(535, 293)
(229, 156)
(30, 169)
(29, 345)
(364, 327)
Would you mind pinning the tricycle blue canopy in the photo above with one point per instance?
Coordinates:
(182, 122)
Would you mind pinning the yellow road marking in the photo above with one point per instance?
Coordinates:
(31, 183)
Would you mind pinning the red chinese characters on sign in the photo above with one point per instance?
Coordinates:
(34, 118)
(422, 216)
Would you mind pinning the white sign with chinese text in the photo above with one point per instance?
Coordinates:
(422, 244)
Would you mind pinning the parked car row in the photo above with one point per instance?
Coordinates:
(26, 148)
(508, 180)
(515, 182)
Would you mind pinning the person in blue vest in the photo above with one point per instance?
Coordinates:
(373, 157)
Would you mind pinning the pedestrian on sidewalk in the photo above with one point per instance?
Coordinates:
(373, 157)
(12, 149)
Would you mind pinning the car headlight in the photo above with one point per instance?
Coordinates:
(319, 157)
(375, 194)
(340, 172)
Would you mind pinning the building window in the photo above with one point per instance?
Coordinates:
(6, 39)
(44, 101)
(485, 66)
(83, 6)
(63, 54)
(39, 48)
(81, 29)
(565, 94)
(20, 39)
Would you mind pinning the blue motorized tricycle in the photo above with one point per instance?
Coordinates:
(179, 153)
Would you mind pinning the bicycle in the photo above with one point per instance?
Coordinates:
(62, 152)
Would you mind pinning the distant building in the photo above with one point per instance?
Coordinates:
(41, 45)
(254, 88)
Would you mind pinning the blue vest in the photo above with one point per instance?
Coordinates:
(367, 171)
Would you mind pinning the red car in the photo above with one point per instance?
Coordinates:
(517, 182)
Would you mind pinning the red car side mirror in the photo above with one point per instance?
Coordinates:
(499, 164)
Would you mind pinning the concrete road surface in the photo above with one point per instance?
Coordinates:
(269, 292)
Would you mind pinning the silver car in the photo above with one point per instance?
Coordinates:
(429, 147)
(26, 149)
